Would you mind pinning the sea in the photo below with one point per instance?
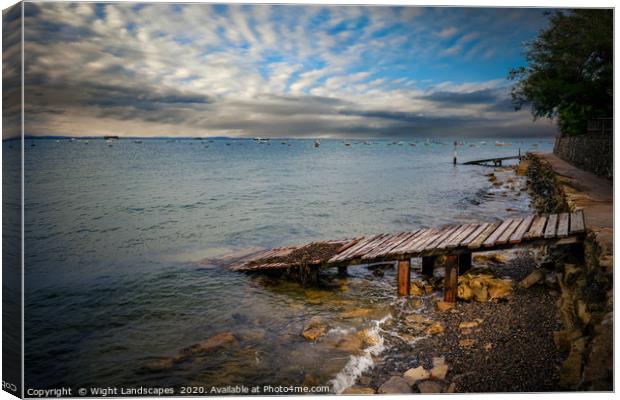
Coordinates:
(119, 235)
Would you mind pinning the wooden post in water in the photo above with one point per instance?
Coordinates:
(404, 277)
(464, 263)
(428, 264)
(342, 270)
(451, 279)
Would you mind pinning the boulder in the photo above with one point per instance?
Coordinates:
(314, 329)
(358, 313)
(533, 278)
(429, 387)
(417, 288)
(435, 329)
(417, 319)
(467, 342)
(351, 344)
(395, 385)
(439, 372)
(442, 306)
(451, 388)
(468, 325)
(414, 375)
(367, 337)
(570, 372)
(499, 289)
(438, 361)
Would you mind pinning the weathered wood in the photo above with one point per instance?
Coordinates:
(455, 242)
(518, 234)
(552, 223)
(370, 246)
(451, 279)
(498, 232)
(505, 236)
(433, 244)
(350, 244)
(563, 225)
(464, 262)
(343, 255)
(411, 245)
(408, 241)
(384, 249)
(477, 242)
(453, 237)
(428, 265)
(497, 160)
(537, 230)
(577, 223)
(404, 277)
(472, 236)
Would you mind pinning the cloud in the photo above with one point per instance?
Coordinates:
(268, 70)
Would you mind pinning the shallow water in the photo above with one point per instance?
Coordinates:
(114, 236)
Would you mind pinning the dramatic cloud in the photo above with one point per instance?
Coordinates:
(268, 70)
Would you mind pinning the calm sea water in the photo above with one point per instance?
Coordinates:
(115, 236)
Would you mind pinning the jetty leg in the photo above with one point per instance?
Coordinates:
(451, 279)
(428, 264)
(342, 270)
(404, 277)
(464, 263)
(314, 275)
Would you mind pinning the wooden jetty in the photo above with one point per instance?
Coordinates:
(455, 242)
(494, 162)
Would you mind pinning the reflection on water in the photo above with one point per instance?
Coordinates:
(115, 293)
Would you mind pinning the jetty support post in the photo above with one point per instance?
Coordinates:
(464, 263)
(404, 277)
(451, 278)
(342, 270)
(428, 264)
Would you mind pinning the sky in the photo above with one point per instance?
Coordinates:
(132, 69)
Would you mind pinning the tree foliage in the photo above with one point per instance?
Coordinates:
(569, 72)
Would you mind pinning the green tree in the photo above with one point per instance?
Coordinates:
(569, 72)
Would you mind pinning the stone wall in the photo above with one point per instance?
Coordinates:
(594, 153)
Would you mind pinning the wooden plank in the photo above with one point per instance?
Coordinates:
(498, 232)
(349, 244)
(452, 236)
(505, 236)
(391, 245)
(552, 223)
(369, 246)
(474, 234)
(411, 244)
(537, 230)
(404, 277)
(518, 234)
(451, 279)
(433, 244)
(477, 242)
(563, 225)
(462, 236)
(344, 254)
(577, 223)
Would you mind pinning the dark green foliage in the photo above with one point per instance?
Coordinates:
(570, 70)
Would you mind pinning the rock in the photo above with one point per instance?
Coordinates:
(570, 372)
(572, 272)
(414, 375)
(488, 346)
(598, 370)
(351, 344)
(358, 313)
(378, 272)
(469, 325)
(395, 385)
(160, 365)
(438, 361)
(314, 329)
(359, 390)
(429, 387)
(254, 335)
(499, 289)
(417, 288)
(213, 343)
(417, 319)
(442, 306)
(451, 388)
(533, 278)
(367, 337)
(467, 342)
(582, 312)
(551, 280)
(439, 372)
(435, 329)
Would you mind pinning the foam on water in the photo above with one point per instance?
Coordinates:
(357, 365)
